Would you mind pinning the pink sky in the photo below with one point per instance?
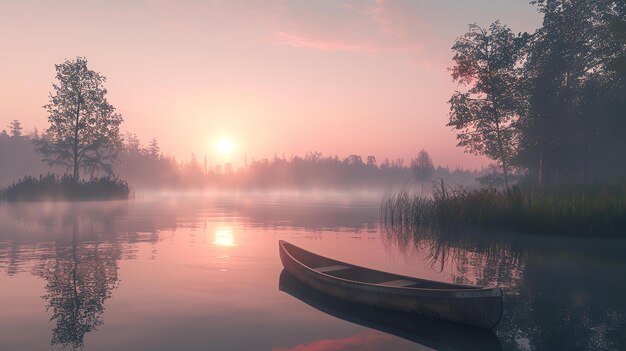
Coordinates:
(275, 76)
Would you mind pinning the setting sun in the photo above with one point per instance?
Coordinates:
(225, 146)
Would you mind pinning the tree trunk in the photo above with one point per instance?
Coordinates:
(505, 171)
(75, 145)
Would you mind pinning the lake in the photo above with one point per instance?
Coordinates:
(182, 272)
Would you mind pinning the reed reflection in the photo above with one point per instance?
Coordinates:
(473, 257)
(550, 284)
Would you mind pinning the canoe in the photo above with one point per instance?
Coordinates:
(466, 304)
(432, 334)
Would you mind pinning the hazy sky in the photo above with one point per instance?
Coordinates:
(275, 76)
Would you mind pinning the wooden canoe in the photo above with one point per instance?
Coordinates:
(430, 333)
(472, 305)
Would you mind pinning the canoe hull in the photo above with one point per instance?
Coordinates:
(430, 333)
(480, 308)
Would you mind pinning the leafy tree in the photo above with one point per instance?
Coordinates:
(15, 128)
(84, 127)
(487, 61)
(574, 127)
(371, 161)
(423, 167)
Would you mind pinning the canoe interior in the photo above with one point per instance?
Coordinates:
(351, 272)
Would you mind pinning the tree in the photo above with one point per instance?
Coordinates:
(574, 128)
(488, 60)
(423, 166)
(15, 128)
(154, 150)
(84, 127)
(132, 143)
(371, 161)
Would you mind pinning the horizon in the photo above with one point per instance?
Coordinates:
(376, 71)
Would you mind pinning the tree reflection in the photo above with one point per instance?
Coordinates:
(80, 277)
(555, 288)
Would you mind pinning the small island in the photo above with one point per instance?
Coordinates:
(83, 137)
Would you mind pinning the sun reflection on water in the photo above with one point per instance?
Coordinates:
(224, 236)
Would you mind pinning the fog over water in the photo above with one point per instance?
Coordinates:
(202, 272)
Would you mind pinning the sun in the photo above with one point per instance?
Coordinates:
(225, 146)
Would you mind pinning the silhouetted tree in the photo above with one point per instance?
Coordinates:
(132, 143)
(484, 116)
(15, 128)
(423, 166)
(371, 161)
(84, 127)
(153, 149)
(575, 124)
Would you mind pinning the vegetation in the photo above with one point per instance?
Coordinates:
(550, 103)
(83, 135)
(53, 188)
(146, 167)
(549, 108)
(423, 167)
(563, 210)
(84, 128)
(487, 61)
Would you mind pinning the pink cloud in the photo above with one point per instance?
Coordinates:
(301, 41)
(375, 27)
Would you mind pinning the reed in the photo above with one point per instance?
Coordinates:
(55, 188)
(562, 210)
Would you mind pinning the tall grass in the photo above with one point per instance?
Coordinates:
(563, 210)
(54, 188)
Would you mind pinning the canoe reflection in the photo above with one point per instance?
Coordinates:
(439, 335)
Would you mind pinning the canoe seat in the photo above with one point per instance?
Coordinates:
(334, 268)
(399, 283)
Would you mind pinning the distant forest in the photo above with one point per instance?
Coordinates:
(146, 167)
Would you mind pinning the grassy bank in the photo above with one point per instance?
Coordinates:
(564, 210)
(54, 188)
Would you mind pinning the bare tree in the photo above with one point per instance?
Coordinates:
(84, 127)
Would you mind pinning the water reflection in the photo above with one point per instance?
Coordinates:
(426, 332)
(80, 277)
(162, 273)
(224, 236)
(559, 293)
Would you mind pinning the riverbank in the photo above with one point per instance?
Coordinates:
(564, 210)
(54, 188)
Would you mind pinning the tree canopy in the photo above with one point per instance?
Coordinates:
(551, 103)
(84, 127)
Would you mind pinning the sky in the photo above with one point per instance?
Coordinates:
(275, 77)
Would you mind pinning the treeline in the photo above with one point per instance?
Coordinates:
(551, 104)
(18, 157)
(146, 167)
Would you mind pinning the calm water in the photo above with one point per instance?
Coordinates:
(203, 273)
